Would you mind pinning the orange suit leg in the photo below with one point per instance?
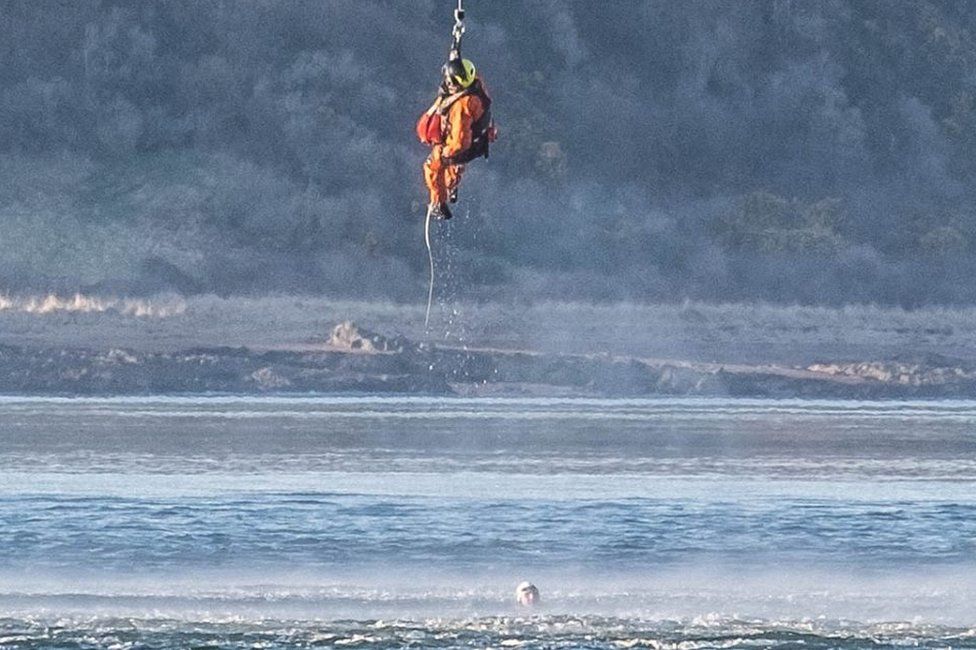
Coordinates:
(440, 178)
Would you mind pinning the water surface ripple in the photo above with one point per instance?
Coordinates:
(299, 521)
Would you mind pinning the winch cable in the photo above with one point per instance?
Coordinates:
(456, 33)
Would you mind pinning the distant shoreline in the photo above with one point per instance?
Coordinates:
(289, 345)
(360, 362)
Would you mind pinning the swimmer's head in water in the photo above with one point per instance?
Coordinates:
(526, 594)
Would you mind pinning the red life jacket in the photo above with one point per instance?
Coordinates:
(429, 129)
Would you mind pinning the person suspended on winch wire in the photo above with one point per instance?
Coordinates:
(458, 126)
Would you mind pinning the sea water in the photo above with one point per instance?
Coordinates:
(407, 522)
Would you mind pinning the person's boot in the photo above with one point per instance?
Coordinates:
(439, 211)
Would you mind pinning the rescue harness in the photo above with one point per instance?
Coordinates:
(433, 125)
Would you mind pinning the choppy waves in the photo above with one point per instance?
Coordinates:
(704, 633)
(713, 521)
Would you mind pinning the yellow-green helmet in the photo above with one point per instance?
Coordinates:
(461, 72)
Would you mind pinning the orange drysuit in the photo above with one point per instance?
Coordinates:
(442, 177)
